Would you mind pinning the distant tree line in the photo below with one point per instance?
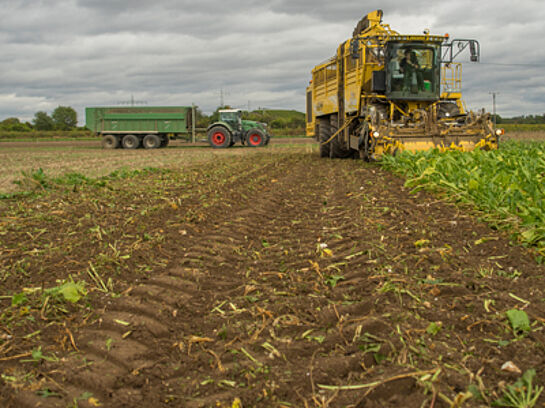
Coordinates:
(62, 118)
(66, 118)
(523, 119)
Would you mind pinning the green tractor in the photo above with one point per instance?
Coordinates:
(231, 129)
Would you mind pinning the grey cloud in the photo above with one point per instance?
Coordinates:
(92, 52)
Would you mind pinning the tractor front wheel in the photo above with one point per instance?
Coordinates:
(219, 137)
(255, 138)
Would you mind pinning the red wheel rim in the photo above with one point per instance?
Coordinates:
(218, 138)
(255, 139)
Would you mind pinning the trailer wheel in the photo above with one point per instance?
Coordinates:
(267, 140)
(130, 142)
(110, 142)
(164, 141)
(255, 138)
(219, 137)
(151, 142)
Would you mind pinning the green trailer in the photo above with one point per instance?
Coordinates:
(131, 127)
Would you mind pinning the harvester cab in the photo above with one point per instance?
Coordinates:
(231, 128)
(412, 71)
(384, 92)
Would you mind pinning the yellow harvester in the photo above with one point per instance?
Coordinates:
(384, 92)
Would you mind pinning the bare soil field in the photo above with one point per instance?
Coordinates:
(268, 278)
(525, 135)
(87, 157)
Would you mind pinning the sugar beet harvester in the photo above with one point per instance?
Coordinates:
(152, 127)
(384, 92)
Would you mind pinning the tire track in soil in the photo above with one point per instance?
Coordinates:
(127, 337)
(253, 305)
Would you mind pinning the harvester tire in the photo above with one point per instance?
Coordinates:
(324, 133)
(151, 142)
(255, 138)
(364, 148)
(219, 137)
(337, 150)
(130, 142)
(110, 142)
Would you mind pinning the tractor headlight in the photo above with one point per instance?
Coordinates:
(376, 134)
(500, 132)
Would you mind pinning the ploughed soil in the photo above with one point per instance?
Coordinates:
(274, 280)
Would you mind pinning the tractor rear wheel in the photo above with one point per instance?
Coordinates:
(219, 137)
(324, 133)
(110, 142)
(255, 138)
(130, 142)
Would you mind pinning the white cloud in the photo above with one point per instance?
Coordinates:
(25, 106)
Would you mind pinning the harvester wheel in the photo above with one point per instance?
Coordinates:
(151, 142)
(364, 149)
(130, 142)
(324, 133)
(219, 137)
(110, 142)
(255, 138)
(337, 150)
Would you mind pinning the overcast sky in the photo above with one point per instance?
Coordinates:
(176, 52)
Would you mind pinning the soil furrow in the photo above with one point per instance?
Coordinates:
(299, 277)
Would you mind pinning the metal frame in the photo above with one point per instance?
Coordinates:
(449, 53)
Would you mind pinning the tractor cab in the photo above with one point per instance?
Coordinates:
(233, 117)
